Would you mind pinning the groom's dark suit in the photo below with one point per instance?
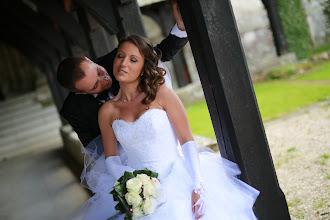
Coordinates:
(81, 111)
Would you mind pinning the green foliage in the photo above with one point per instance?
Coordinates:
(281, 72)
(147, 172)
(301, 71)
(295, 27)
(326, 11)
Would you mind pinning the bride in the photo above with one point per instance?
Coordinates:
(151, 125)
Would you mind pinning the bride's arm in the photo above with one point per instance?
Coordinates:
(174, 108)
(108, 135)
(179, 120)
(112, 160)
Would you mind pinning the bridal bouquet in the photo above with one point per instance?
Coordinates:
(136, 194)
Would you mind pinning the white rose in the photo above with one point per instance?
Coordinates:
(148, 190)
(154, 181)
(133, 199)
(149, 206)
(134, 185)
(137, 213)
(144, 178)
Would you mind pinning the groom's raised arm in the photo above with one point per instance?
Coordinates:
(172, 44)
(177, 38)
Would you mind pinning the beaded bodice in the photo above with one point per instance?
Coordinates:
(150, 141)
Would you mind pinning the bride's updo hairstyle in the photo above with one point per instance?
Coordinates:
(152, 75)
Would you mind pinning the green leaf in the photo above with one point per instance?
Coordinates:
(125, 177)
(122, 203)
(115, 197)
(147, 172)
(113, 192)
(153, 174)
(120, 189)
(115, 216)
(120, 208)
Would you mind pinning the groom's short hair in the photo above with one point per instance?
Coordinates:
(69, 72)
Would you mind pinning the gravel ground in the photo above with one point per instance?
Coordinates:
(300, 147)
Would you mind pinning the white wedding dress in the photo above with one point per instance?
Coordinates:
(150, 142)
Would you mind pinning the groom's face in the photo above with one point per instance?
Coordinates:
(96, 79)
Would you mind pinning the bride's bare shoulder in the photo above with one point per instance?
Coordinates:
(108, 110)
(165, 91)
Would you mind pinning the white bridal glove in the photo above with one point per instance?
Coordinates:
(191, 158)
(115, 167)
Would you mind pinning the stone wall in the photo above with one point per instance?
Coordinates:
(256, 35)
(319, 32)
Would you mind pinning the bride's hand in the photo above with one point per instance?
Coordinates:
(194, 198)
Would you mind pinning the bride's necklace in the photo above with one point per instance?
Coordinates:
(125, 100)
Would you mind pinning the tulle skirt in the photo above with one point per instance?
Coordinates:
(225, 196)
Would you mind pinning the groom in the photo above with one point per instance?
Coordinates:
(92, 83)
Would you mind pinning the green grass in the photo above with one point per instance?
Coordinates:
(278, 98)
(291, 149)
(199, 119)
(321, 72)
(275, 98)
(325, 156)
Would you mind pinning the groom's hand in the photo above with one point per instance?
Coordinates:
(177, 15)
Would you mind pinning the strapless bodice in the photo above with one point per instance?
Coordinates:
(150, 141)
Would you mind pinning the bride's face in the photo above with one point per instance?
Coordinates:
(128, 63)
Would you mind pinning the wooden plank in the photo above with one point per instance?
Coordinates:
(103, 12)
(229, 93)
(67, 23)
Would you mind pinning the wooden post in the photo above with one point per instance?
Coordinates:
(230, 97)
(276, 25)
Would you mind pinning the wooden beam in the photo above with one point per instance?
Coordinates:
(277, 28)
(128, 17)
(103, 12)
(22, 34)
(40, 24)
(34, 57)
(229, 93)
(67, 23)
